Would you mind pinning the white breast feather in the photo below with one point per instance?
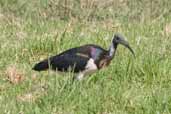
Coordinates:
(89, 69)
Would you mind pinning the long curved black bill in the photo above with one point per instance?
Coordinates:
(126, 44)
(130, 49)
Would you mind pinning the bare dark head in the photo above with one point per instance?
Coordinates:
(119, 39)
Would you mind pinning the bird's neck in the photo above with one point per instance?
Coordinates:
(112, 50)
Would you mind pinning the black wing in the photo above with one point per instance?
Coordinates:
(74, 59)
(67, 62)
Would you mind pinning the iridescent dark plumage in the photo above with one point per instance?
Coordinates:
(84, 59)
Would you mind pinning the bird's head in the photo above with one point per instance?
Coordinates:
(119, 39)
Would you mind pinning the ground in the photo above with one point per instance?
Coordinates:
(33, 30)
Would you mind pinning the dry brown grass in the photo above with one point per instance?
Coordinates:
(167, 29)
(14, 75)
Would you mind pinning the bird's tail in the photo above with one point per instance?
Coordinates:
(43, 65)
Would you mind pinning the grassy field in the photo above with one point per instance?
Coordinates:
(33, 30)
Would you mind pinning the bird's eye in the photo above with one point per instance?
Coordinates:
(117, 38)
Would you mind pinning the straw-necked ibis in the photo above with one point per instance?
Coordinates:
(84, 59)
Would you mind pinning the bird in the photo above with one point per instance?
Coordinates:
(83, 60)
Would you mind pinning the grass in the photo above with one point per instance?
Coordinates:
(31, 31)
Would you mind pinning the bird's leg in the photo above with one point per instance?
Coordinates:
(79, 76)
